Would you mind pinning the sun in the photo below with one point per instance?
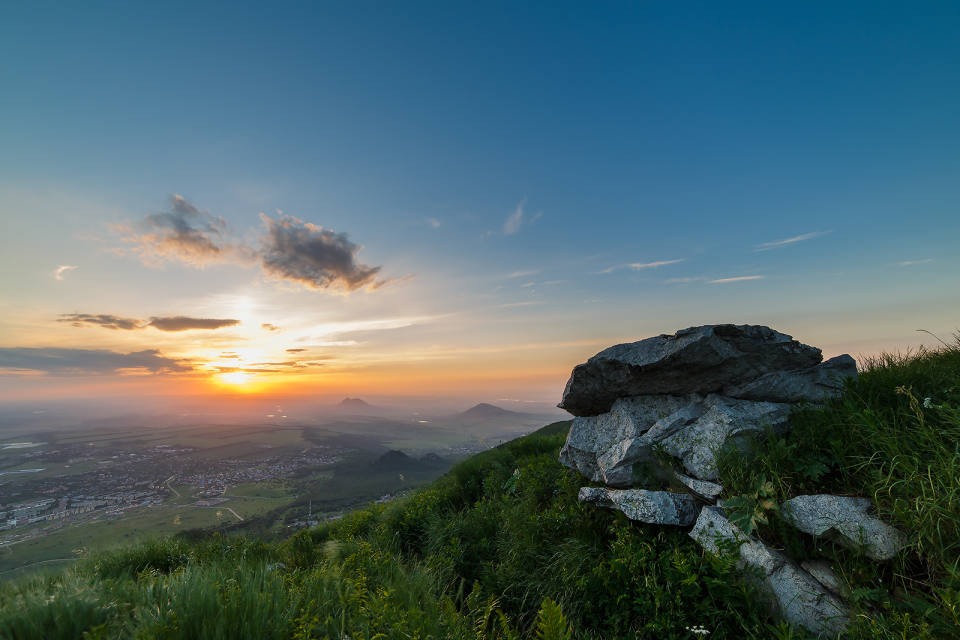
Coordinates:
(235, 378)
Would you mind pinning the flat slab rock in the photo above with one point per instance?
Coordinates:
(700, 360)
(848, 520)
(801, 599)
(652, 507)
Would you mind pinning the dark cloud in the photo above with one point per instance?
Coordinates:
(182, 233)
(183, 323)
(315, 257)
(101, 320)
(295, 350)
(269, 327)
(58, 361)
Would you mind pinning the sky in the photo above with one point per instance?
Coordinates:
(451, 199)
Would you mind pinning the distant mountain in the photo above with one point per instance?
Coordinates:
(486, 411)
(394, 459)
(354, 403)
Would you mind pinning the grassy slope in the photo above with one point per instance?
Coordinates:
(499, 547)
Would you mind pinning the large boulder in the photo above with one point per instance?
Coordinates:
(696, 360)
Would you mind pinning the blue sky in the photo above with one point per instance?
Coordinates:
(535, 182)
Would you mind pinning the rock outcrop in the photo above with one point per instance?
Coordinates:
(647, 409)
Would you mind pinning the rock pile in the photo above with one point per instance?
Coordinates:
(642, 410)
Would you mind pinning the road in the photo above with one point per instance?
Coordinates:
(169, 486)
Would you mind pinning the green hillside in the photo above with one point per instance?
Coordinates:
(500, 548)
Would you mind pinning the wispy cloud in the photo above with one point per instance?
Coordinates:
(778, 244)
(433, 223)
(173, 323)
(61, 272)
(266, 326)
(314, 257)
(640, 266)
(522, 274)
(911, 263)
(59, 361)
(184, 323)
(735, 279)
(518, 219)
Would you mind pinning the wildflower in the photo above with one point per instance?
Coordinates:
(928, 403)
(698, 630)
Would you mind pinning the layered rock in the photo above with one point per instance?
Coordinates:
(696, 360)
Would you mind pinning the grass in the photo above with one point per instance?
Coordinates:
(500, 547)
(894, 437)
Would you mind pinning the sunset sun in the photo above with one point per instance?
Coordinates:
(235, 378)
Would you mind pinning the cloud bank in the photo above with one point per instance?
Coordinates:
(58, 361)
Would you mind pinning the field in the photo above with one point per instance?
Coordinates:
(153, 477)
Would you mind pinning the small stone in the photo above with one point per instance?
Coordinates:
(823, 573)
(706, 490)
(652, 507)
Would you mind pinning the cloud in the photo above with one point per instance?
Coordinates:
(183, 323)
(910, 263)
(183, 233)
(516, 220)
(101, 320)
(522, 274)
(61, 272)
(735, 279)
(777, 244)
(58, 361)
(640, 266)
(315, 257)
(266, 326)
(175, 323)
(296, 350)
(289, 248)
(433, 223)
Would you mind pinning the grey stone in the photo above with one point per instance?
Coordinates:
(697, 444)
(696, 360)
(652, 507)
(847, 518)
(702, 488)
(823, 573)
(801, 599)
(814, 384)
